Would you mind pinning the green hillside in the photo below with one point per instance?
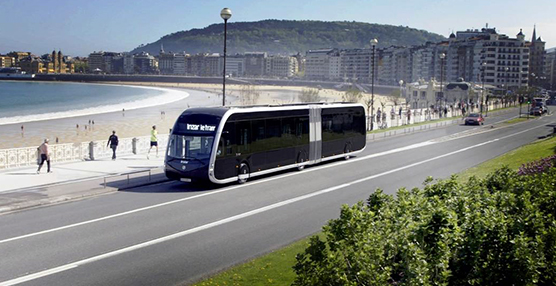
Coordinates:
(288, 37)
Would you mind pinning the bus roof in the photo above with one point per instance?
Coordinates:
(220, 110)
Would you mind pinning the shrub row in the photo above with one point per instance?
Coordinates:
(500, 230)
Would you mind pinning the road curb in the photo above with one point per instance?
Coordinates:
(77, 195)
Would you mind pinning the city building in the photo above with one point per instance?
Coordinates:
(32, 64)
(18, 56)
(317, 63)
(355, 64)
(550, 69)
(536, 60)
(255, 64)
(106, 62)
(144, 63)
(180, 64)
(281, 66)
(6, 61)
(235, 65)
(128, 63)
(423, 94)
(204, 65)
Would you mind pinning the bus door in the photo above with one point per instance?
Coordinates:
(315, 134)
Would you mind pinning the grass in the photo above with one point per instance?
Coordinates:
(517, 120)
(513, 159)
(274, 268)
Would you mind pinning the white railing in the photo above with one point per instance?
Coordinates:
(70, 152)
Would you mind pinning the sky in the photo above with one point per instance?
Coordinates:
(79, 27)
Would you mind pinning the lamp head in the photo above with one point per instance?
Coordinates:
(374, 42)
(226, 13)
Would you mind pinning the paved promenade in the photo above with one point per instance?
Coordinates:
(24, 188)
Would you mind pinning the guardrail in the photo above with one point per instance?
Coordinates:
(128, 174)
(71, 152)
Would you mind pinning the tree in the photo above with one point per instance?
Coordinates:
(369, 104)
(352, 95)
(309, 95)
(248, 94)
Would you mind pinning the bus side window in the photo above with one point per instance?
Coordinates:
(243, 136)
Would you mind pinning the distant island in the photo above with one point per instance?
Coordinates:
(288, 37)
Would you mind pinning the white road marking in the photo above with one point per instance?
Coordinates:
(212, 193)
(68, 266)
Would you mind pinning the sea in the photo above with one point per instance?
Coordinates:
(35, 101)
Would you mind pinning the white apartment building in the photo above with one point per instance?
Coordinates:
(317, 63)
(281, 66)
(129, 63)
(179, 64)
(235, 65)
(355, 64)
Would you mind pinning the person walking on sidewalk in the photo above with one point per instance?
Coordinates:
(113, 142)
(154, 141)
(45, 156)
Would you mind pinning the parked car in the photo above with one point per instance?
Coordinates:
(536, 111)
(475, 119)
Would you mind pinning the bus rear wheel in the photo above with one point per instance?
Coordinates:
(243, 173)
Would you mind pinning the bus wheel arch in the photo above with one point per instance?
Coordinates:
(243, 172)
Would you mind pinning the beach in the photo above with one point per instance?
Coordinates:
(138, 122)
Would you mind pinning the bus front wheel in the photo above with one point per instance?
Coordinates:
(243, 173)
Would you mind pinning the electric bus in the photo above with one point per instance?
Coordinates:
(227, 144)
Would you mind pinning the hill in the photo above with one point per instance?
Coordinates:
(288, 37)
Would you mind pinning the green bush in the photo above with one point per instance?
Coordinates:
(494, 231)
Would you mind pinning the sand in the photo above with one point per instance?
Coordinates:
(133, 123)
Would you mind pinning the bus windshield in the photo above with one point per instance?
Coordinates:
(190, 147)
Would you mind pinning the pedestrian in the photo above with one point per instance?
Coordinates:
(57, 140)
(154, 141)
(77, 126)
(408, 116)
(22, 128)
(93, 123)
(113, 142)
(445, 111)
(400, 112)
(123, 111)
(384, 119)
(45, 156)
(463, 111)
(89, 122)
(392, 114)
(378, 116)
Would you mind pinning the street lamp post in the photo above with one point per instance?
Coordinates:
(442, 57)
(226, 14)
(507, 87)
(374, 42)
(483, 67)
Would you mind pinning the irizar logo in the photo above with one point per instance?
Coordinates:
(200, 127)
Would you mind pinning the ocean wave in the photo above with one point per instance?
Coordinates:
(167, 96)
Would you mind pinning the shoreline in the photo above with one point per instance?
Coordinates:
(138, 122)
(165, 97)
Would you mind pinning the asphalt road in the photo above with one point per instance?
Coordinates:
(174, 233)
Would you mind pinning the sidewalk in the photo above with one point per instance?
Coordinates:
(24, 188)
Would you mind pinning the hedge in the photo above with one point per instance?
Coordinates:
(500, 230)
